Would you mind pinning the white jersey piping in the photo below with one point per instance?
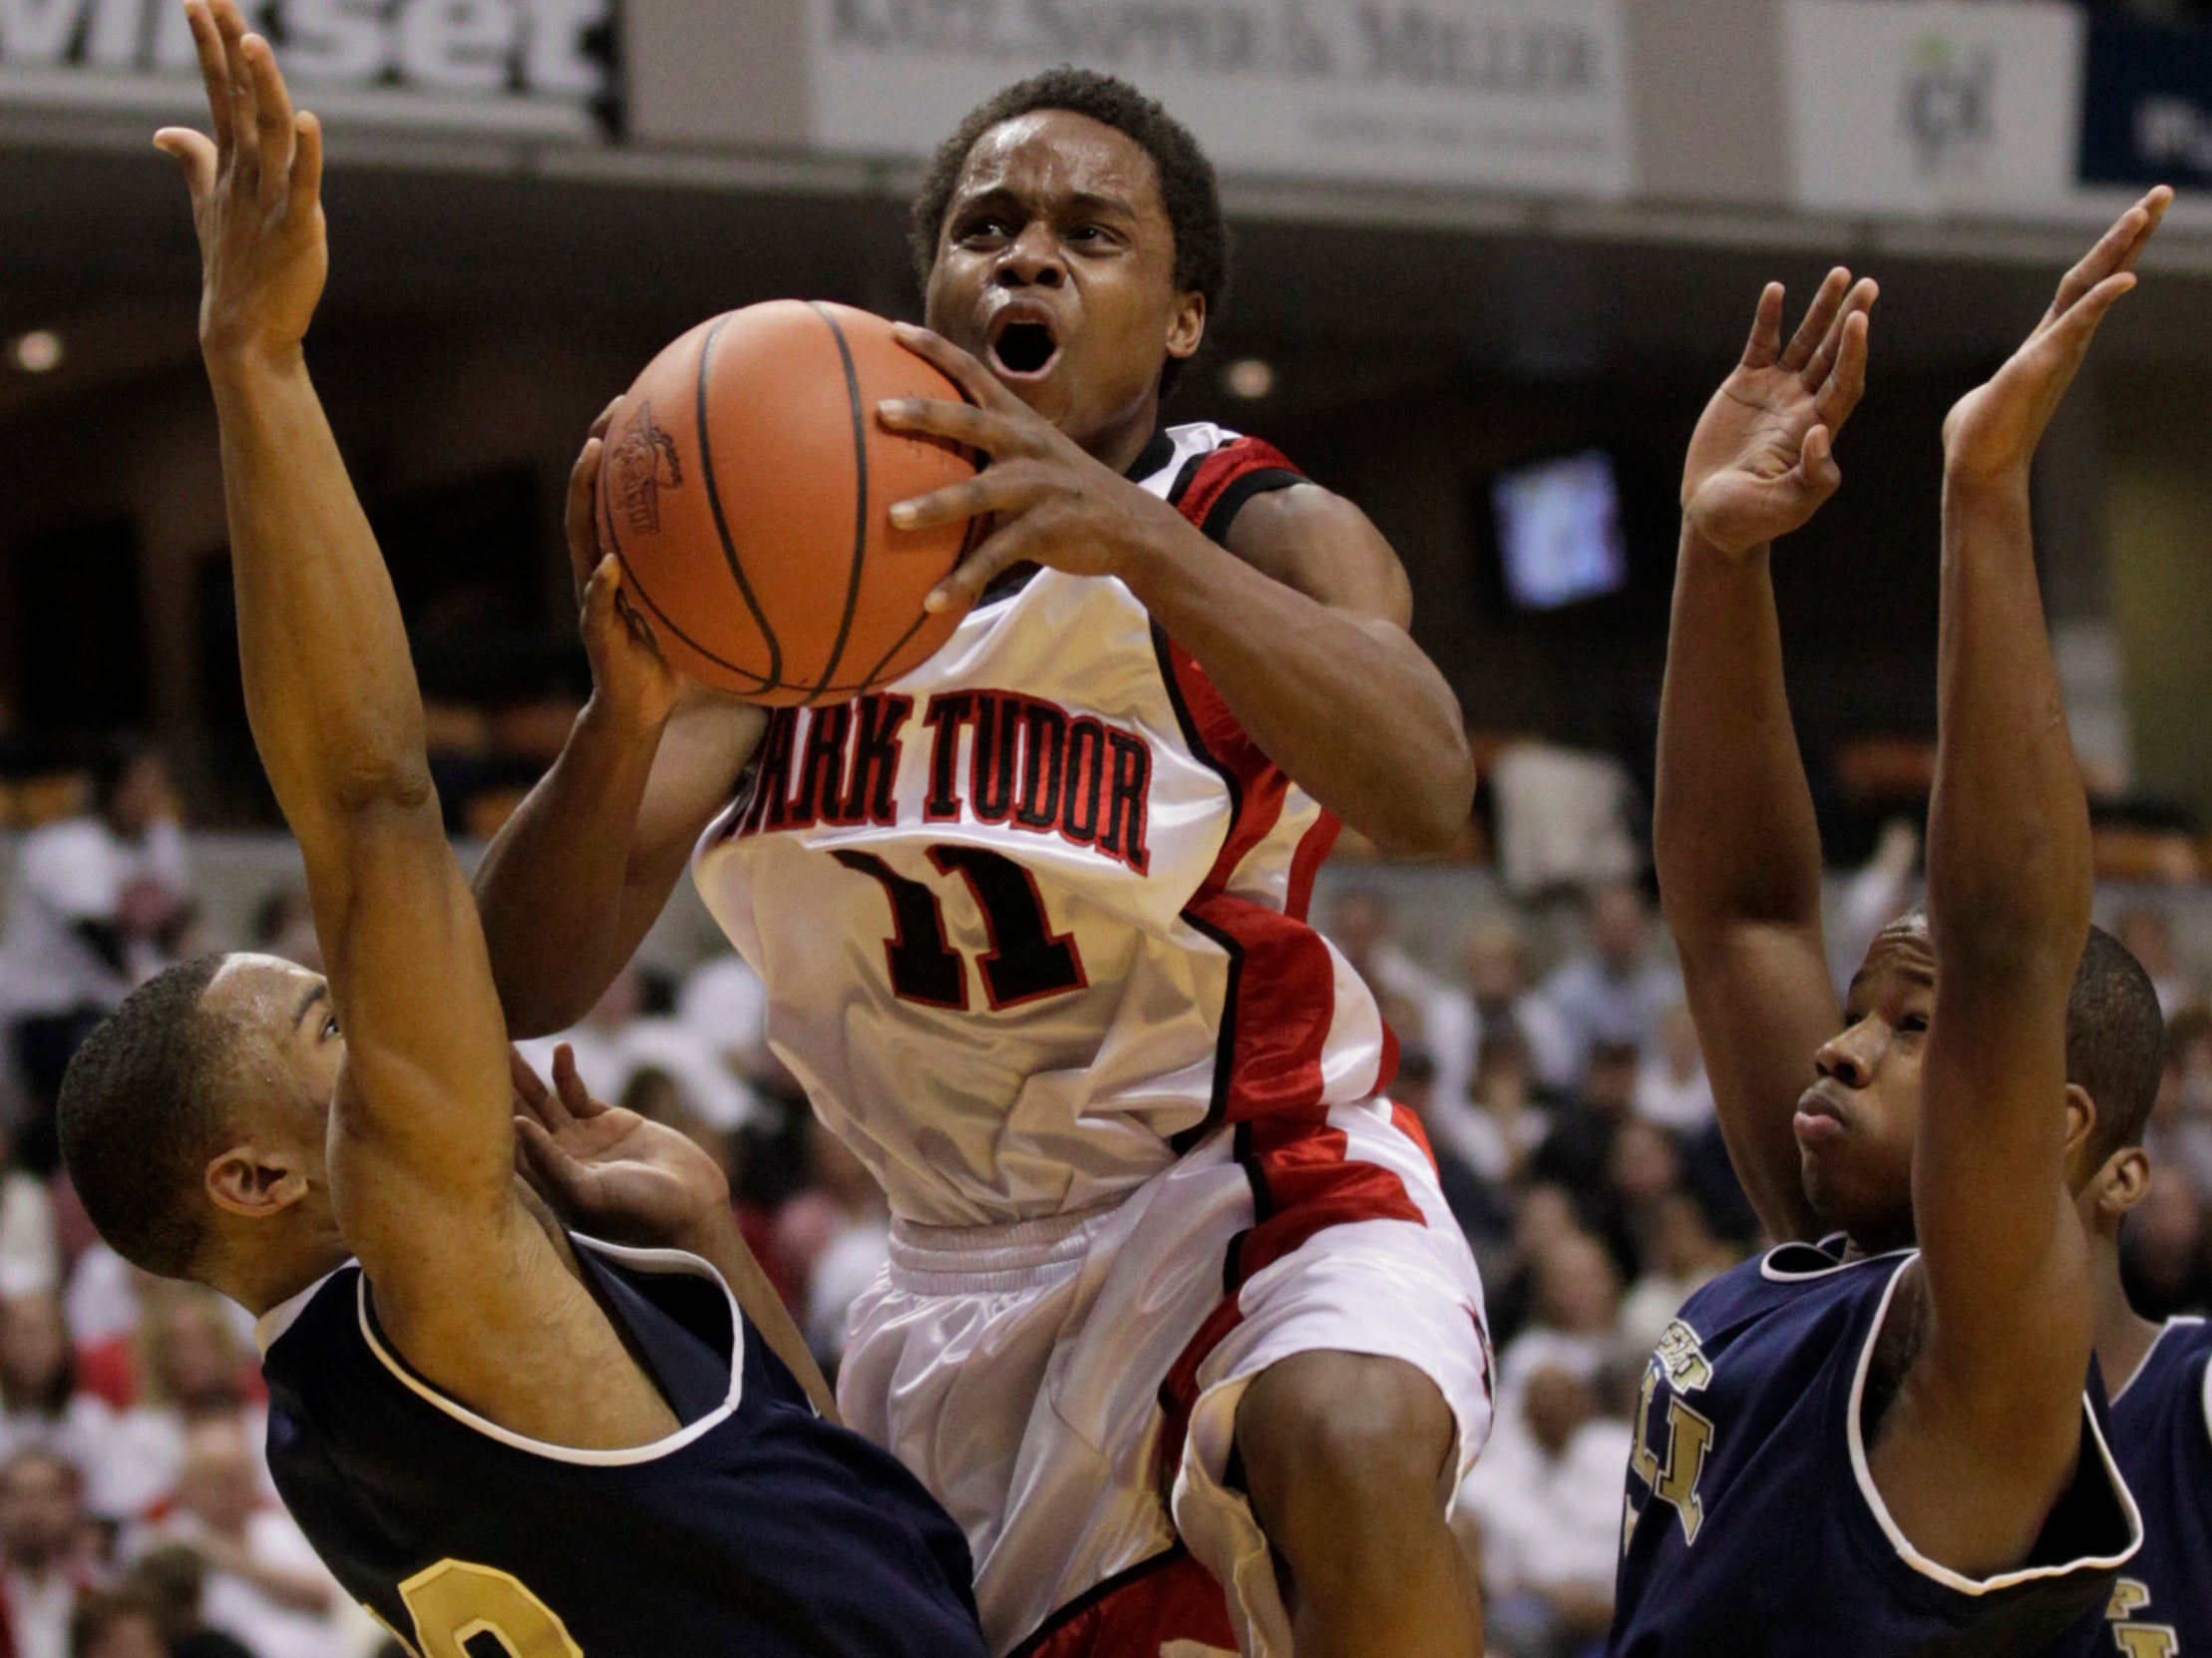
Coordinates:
(2144, 1363)
(1913, 1557)
(642, 1260)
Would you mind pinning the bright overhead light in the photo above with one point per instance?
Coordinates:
(1250, 378)
(37, 352)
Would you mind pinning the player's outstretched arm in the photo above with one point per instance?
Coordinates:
(1985, 1429)
(1300, 624)
(1737, 849)
(423, 1154)
(575, 879)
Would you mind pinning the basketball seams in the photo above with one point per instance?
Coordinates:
(773, 679)
(859, 501)
(614, 540)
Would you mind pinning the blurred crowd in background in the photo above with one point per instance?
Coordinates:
(1546, 1050)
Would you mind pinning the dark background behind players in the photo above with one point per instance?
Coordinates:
(1415, 343)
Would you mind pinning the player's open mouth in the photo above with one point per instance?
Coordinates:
(1025, 350)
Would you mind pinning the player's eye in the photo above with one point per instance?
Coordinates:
(1911, 1024)
(330, 1028)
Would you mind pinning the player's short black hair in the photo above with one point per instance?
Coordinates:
(1188, 187)
(138, 1119)
(2115, 1041)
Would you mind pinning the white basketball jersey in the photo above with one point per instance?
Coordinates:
(1032, 920)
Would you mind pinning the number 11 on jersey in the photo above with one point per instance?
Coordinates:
(1026, 962)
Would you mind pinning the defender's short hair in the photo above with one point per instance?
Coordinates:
(138, 1119)
(2115, 1041)
(1188, 187)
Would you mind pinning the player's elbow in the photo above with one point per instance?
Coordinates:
(370, 783)
(1426, 818)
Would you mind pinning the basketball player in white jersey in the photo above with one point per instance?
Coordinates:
(1176, 1322)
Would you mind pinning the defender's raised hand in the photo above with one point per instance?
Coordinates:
(1990, 434)
(629, 676)
(1048, 502)
(1761, 461)
(257, 189)
(609, 1170)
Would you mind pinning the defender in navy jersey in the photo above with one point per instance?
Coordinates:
(499, 1435)
(2161, 1607)
(1872, 1447)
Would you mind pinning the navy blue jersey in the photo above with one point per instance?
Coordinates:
(2162, 1436)
(1753, 1527)
(757, 1529)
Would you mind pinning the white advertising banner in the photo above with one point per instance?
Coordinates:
(1933, 106)
(1510, 94)
(510, 68)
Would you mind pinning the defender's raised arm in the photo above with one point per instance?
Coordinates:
(1737, 849)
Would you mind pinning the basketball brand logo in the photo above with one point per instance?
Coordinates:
(645, 453)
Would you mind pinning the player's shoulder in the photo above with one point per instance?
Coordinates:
(1210, 472)
(2175, 1375)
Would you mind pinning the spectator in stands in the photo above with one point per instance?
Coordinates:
(1577, 1317)
(1579, 1147)
(1496, 960)
(837, 1235)
(1681, 1253)
(619, 1037)
(118, 1624)
(30, 1252)
(2148, 932)
(264, 1585)
(2179, 1135)
(1508, 1123)
(1483, 1208)
(1361, 927)
(46, 1561)
(1616, 991)
(725, 1004)
(100, 904)
(1671, 1088)
(1642, 1170)
(190, 1369)
(1546, 1493)
(172, 1579)
(285, 925)
(41, 1404)
(2163, 1251)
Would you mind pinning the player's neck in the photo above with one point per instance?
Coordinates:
(1118, 443)
(2123, 1336)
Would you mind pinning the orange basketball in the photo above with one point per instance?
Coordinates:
(746, 485)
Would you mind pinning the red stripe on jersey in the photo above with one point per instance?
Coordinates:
(1138, 1613)
(1410, 1126)
(1304, 1181)
(1215, 472)
(1284, 1004)
(1306, 863)
(1258, 785)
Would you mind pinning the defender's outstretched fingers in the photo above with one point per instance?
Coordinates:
(307, 163)
(1845, 383)
(195, 153)
(575, 1099)
(1765, 343)
(245, 114)
(1819, 317)
(214, 70)
(275, 131)
(529, 1088)
(2116, 250)
(583, 513)
(1857, 302)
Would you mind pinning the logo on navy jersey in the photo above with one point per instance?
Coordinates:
(1669, 1462)
(995, 758)
(2138, 1639)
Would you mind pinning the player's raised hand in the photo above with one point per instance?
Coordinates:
(1047, 501)
(608, 1170)
(257, 189)
(1990, 434)
(1763, 459)
(628, 674)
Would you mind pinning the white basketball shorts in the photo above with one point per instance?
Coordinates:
(1069, 1388)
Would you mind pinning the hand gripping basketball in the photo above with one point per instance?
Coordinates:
(257, 189)
(1044, 499)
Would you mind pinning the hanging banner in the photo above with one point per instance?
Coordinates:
(1510, 94)
(2146, 115)
(513, 68)
(1933, 106)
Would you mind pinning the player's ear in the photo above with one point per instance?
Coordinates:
(2080, 1119)
(2121, 1183)
(1188, 327)
(253, 1181)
